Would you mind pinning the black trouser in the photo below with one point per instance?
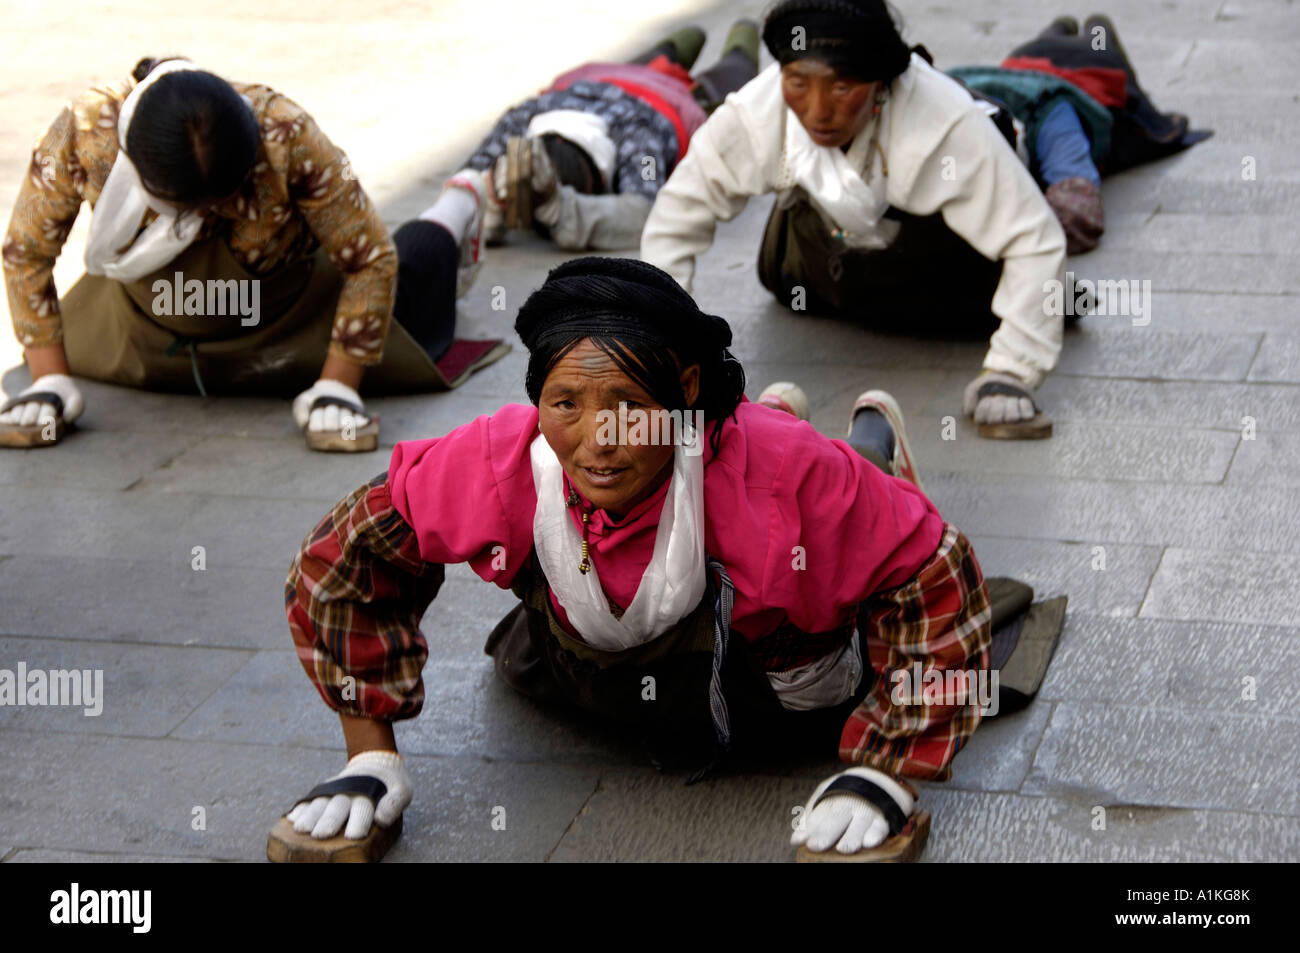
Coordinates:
(929, 280)
(427, 261)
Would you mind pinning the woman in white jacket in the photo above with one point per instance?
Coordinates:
(899, 201)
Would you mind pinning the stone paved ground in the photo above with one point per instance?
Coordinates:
(1143, 710)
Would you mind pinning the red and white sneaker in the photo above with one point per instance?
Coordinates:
(787, 397)
(471, 246)
(881, 401)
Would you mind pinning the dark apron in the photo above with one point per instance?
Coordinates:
(538, 658)
(928, 280)
(111, 333)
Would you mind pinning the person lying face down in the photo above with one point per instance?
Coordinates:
(581, 162)
(899, 203)
(765, 579)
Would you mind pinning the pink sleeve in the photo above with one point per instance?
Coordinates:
(842, 530)
(469, 495)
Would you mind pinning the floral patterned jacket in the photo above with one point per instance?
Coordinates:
(302, 193)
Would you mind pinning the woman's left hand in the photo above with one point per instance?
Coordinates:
(847, 820)
(330, 417)
(1004, 408)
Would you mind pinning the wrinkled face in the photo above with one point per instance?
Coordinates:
(582, 391)
(833, 108)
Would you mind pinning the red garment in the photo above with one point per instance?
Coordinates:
(1106, 85)
(778, 493)
(661, 84)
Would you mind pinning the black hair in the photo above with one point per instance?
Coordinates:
(193, 138)
(573, 166)
(648, 325)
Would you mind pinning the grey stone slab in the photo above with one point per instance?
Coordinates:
(1194, 668)
(1147, 353)
(123, 795)
(1184, 234)
(133, 796)
(93, 460)
(1242, 587)
(432, 415)
(999, 828)
(219, 466)
(1278, 360)
(467, 711)
(1204, 272)
(1269, 459)
(120, 410)
(1174, 404)
(1078, 450)
(457, 801)
(235, 531)
(726, 819)
(268, 701)
(998, 755)
(1223, 193)
(1134, 755)
(1246, 64)
(146, 689)
(460, 619)
(169, 602)
(1189, 515)
(1110, 582)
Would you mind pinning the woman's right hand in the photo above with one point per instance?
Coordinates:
(31, 412)
(325, 816)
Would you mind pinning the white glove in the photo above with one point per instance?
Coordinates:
(324, 816)
(847, 820)
(31, 412)
(998, 408)
(327, 417)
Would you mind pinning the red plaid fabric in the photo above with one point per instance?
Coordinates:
(939, 620)
(354, 597)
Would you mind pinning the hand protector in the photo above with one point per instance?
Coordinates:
(998, 408)
(328, 417)
(30, 413)
(323, 817)
(846, 820)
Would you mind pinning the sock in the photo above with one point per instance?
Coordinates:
(454, 210)
(871, 430)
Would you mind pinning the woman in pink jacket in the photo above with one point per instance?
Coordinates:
(766, 585)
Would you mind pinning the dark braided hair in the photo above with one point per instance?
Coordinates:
(644, 321)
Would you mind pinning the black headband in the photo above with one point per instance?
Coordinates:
(619, 297)
(854, 38)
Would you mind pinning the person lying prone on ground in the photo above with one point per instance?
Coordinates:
(768, 579)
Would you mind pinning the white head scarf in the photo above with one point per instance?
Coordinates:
(832, 180)
(122, 204)
(588, 131)
(673, 582)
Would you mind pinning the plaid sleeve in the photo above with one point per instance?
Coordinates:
(938, 621)
(355, 595)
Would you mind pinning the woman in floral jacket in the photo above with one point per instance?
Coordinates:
(231, 248)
